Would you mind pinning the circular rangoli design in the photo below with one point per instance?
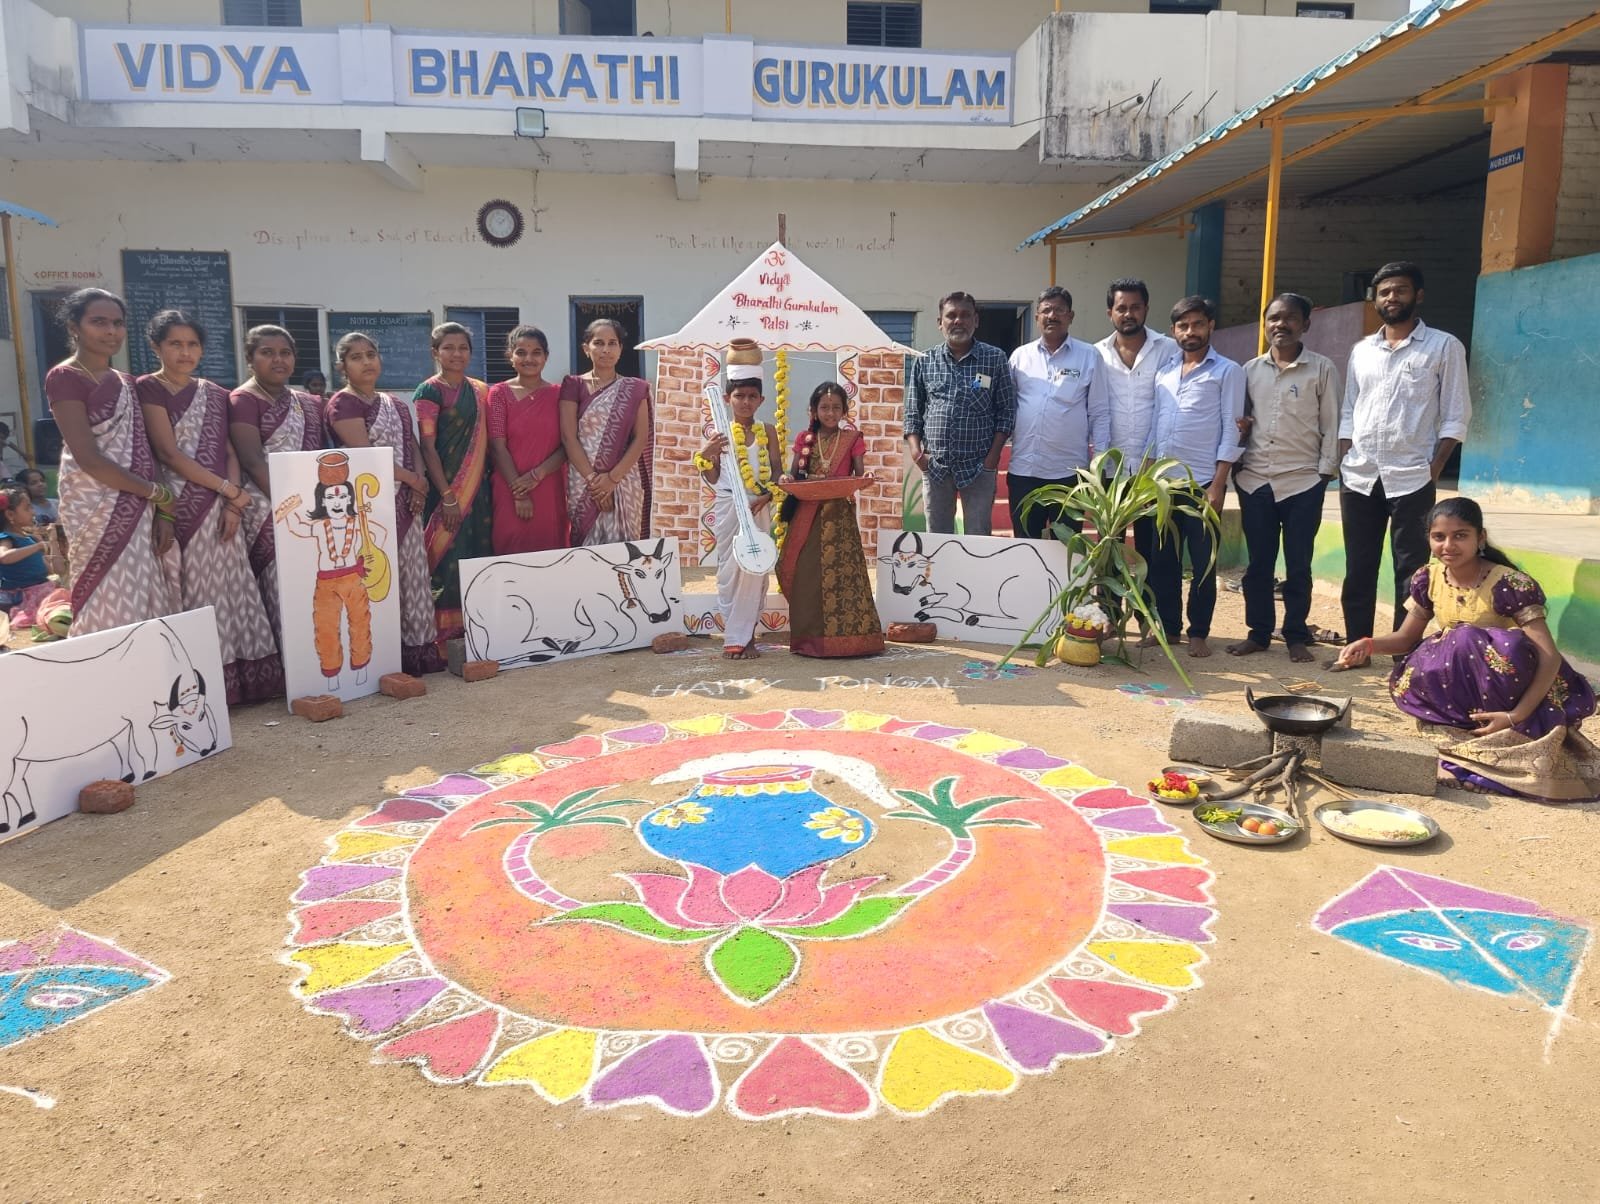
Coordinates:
(795, 911)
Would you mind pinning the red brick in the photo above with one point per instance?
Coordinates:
(671, 641)
(870, 359)
(402, 686)
(105, 797)
(319, 708)
(479, 670)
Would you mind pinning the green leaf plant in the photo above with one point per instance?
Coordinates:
(1107, 499)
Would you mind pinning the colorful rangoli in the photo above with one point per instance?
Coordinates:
(790, 912)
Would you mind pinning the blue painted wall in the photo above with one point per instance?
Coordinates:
(1536, 383)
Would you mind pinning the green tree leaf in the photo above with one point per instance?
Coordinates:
(863, 917)
(752, 963)
(631, 917)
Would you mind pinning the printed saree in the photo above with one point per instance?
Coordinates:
(457, 420)
(605, 424)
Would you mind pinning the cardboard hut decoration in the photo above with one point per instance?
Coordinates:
(780, 305)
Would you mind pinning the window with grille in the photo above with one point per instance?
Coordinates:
(261, 12)
(304, 322)
(489, 329)
(1336, 12)
(599, 18)
(891, 24)
(899, 324)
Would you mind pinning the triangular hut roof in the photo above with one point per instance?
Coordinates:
(802, 312)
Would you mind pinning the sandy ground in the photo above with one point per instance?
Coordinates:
(1303, 1070)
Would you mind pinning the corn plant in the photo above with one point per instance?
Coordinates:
(1107, 499)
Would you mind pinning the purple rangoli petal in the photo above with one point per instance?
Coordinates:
(938, 731)
(403, 811)
(331, 881)
(1133, 819)
(672, 1070)
(454, 785)
(378, 1008)
(817, 718)
(1168, 919)
(645, 733)
(1030, 758)
(1034, 1040)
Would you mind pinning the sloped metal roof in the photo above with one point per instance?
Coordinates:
(1416, 58)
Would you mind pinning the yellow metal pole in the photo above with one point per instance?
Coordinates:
(16, 337)
(1052, 263)
(1269, 250)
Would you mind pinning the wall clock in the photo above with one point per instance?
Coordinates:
(500, 223)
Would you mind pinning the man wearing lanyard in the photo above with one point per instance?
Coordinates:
(960, 407)
(1406, 409)
(1063, 412)
(1199, 403)
(1292, 454)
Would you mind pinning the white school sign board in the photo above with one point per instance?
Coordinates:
(338, 581)
(538, 607)
(981, 588)
(132, 702)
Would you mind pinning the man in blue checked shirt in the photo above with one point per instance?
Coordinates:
(960, 408)
(1199, 402)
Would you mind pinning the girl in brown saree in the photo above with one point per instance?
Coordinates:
(607, 429)
(822, 570)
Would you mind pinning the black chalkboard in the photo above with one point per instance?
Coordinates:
(402, 340)
(198, 281)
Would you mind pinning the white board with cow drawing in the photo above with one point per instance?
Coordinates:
(538, 607)
(339, 571)
(981, 588)
(133, 703)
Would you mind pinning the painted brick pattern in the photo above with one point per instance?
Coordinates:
(1319, 242)
(681, 497)
(1578, 201)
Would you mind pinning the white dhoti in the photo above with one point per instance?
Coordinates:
(741, 596)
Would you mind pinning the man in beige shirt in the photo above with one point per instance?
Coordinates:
(1293, 450)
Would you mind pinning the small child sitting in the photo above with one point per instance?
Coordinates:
(24, 576)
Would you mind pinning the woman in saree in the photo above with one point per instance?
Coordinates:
(453, 425)
(1489, 685)
(822, 570)
(265, 415)
(361, 416)
(530, 481)
(607, 427)
(187, 421)
(118, 515)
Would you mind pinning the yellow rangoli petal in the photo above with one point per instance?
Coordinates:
(981, 743)
(705, 725)
(334, 966)
(1072, 777)
(922, 1069)
(863, 721)
(348, 846)
(1154, 848)
(1159, 963)
(518, 765)
(558, 1065)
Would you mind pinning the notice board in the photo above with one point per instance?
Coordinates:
(402, 341)
(198, 281)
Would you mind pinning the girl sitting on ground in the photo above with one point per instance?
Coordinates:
(1489, 685)
(24, 576)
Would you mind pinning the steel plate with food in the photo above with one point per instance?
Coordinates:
(1368, 821)
(823, 490)
(1247, 823)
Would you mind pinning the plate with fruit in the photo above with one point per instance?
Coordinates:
(1175, 789)
(1247, 823)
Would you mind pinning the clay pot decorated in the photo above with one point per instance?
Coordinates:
(1073, 649)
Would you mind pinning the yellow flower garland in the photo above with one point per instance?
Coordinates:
(765, 484)
(780, 377)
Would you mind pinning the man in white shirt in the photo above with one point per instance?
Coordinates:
(1063, 414)
(1199, 404)
(1293, 399)
(1132, 354)
(1406, 409)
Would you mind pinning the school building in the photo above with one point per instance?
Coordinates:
(346, 164)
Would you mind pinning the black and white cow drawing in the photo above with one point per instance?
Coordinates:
(1003, 589)
(102, 711)
(519, 614)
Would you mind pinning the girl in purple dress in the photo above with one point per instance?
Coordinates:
(1489, 684)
